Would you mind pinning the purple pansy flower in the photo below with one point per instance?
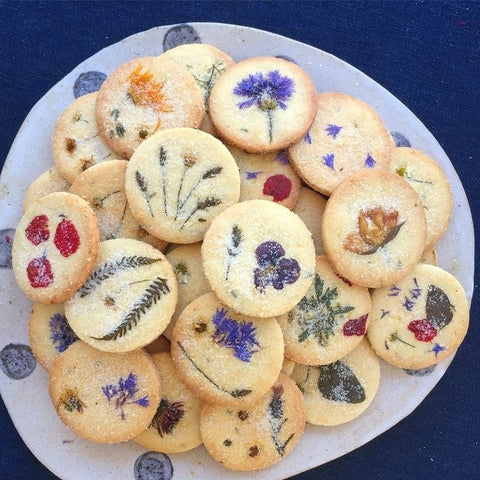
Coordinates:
(273, 268)
(370, 161)
(61, 334)
(332, 130)
(329, 160)
(237, 335)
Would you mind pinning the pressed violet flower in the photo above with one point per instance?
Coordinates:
(238, 335)
(273, 268)
(61, 333)
(267, 92)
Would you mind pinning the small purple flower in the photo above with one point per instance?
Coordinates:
(61, 334)
(437, 349)
(307, 138)
(273, 268)
(408, 304)
(332, 130)
(328, 160)
(370, 161)
(124, 393)
(252, 175)
(416, 291)
(282, 157)
(394, 291)
(238, 335)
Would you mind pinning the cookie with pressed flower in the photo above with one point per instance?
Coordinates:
(329, 321)
(310, 207)
(178, 180)
(259, 435)
(143, 96)
(419, 320)
(55, 247)
(103, 187)
(374, 228)
(104, 397)
(175, 427)
(49, 181)
(223, 356)
(427, 178)
(340, 391)
(347, 135)
(267, 176)
(76, 144)
(186, 261)
(263, 104)
(128, 299)
(49, 333)
(259, 258)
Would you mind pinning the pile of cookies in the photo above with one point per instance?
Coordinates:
(221, 254)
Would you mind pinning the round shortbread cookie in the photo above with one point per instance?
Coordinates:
(225, 357)
(427, 178)
(329, 321)
(347, 136)
(145, 95)
(267, 176)
(175, 426)
(103, 187)
(48, 182)
(420, 320)
(310, 207)
(374, 228)
(263, 104)
(340, 391)
(76, 144)
(186, 261)
(259, 435)
(104, 397)
(259, 258)
(178, 180)
(128, 299)
(49, 333)
(55, 247)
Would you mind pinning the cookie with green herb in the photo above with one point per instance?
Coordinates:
(55, 247)
(103, 187)
(76, 144)
(427, 178)
(128, 299)
(223, 356)
(259, 258)
(329, 321)
(374, 228)
(263, 104)
(340, 391)
(347, 136)
(178, 180)
(419, 320)
(104, 397)
(143, 96)
(49, 181)
(267, 176)
(175, 427)
(259, 435)
(49, 333)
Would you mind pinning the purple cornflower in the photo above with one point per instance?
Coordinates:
(307, 138)
(252, 175)
(416, 291)
(437, 349)
(328, 160)
(370, 161)
(238, 335)
(124, 393)
(408, 304)
(332, 130)
(394, 291)
(282, 157)
(61, 333)
(273, 268)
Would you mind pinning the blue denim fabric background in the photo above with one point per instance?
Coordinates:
(427, 53)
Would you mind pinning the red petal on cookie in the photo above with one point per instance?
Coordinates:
(66, 238)
(37, 230)
(423, 330)
(39, 272)
(355, 326)
(278, 186)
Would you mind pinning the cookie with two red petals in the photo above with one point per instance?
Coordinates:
(259, 258)
(55, 247)
(263, 104)
(347, 136)
(49, 181)
(258, 435)
(143, 96)
(419, 320)
(104, 397)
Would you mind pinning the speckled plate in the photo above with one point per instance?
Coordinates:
(68, 456)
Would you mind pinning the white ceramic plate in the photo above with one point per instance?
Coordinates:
(68, 456)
